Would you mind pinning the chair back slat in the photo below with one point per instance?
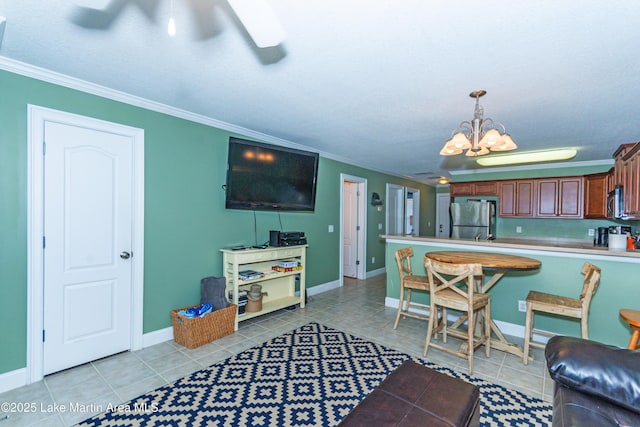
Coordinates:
(462, 283)
(592, 275)
(403, 258)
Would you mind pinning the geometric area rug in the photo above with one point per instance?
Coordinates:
(311, 376)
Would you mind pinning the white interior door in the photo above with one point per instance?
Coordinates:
(442, 215)
(350, 232)
(88, 233)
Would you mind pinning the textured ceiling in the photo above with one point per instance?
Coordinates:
(379, 83)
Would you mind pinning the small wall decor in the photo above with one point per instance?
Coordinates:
(376, 201)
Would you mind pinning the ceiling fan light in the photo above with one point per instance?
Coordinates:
(260, 21)
(171, 28)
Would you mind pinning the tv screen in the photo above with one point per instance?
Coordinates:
(269, 177)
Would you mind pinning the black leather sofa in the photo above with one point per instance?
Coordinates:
(595, 384)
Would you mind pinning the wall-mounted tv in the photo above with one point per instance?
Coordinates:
(269, 177)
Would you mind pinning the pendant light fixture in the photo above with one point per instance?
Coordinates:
(478, 136)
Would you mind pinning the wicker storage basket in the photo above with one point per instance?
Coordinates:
(197, 331)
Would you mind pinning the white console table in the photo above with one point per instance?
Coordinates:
(279, 286)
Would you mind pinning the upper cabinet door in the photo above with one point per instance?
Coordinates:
(547, 198)
(525, 197)
(595, 195)
(560, 197)
(570, 197)
(516, 198)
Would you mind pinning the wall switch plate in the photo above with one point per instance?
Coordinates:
(592, 232)
(518, 229)
(379, 226)
(522, 306)
(373, 260)
(330, 228)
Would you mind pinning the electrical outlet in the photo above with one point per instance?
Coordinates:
(373, 260)
(522, 306)
(518, 229)
(592, 232)
(330, 228)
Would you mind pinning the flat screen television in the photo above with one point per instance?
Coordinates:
(269, 177)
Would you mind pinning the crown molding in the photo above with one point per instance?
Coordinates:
(38, 73)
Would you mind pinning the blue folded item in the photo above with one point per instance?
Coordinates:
(199, 311)
(204, 309)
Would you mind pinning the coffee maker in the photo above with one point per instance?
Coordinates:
(602, 236)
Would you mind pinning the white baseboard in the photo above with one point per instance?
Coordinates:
(377, 272)
(318, 289)
(13, 379)
(157, 337)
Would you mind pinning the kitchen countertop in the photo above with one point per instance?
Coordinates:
(540, 244)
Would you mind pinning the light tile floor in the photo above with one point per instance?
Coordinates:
(357, 308)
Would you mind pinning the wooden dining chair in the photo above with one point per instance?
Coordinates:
(452, 286)
(563, 306)
(408, 282)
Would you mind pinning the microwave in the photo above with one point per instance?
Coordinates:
(615, 203)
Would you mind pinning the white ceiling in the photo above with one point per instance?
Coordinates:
(379, 83)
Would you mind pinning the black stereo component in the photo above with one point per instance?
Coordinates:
(287, 238)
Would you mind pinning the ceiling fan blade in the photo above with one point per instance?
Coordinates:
(260, 21)
(93, 4)
(3, 23)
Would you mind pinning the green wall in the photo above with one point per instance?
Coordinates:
(185, 220)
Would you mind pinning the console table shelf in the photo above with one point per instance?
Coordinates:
(279, 286)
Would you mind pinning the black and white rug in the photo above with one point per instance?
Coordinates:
(312, 376)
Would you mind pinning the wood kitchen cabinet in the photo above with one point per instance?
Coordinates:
(627, 174)
(478, 188)
(631, 188)
(516, 198)
(559, 197)
(596, 187)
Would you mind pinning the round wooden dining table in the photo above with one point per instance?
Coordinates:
(499, 265)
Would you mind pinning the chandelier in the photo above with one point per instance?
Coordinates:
(479, 136)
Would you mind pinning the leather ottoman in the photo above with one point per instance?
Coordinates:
(414, 395)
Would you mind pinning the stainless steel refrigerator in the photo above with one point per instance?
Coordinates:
(473, 220)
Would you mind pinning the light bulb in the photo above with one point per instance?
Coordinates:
(171, 29)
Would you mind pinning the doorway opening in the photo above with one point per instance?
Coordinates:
(353, 236)
(443, 201)
(403, 210)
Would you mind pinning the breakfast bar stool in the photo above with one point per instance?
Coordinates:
(632, 317)
(562, 306)
(408, 281)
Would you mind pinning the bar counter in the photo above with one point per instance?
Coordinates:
(559, 274)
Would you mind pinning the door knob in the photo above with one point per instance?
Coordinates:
(125, 255)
